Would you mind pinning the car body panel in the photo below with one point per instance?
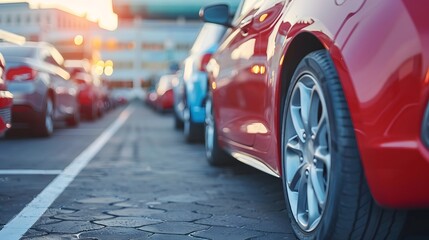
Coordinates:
(162, 95)
(383, 71)
(386, 108)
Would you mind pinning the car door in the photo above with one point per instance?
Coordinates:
(234, 94)
(64, 90)
(261, 115)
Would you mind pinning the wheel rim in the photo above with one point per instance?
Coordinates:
(307, 153)
(209, 131)
(186, 120)
(49, 124)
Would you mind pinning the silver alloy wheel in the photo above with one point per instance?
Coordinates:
(209, 131)
(49, 122)
(307, 152)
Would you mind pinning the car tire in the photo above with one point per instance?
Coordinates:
(215, 155)
(92, 113)
(74, 119)
(326, 192)
(45, 121)
(178, 123)
(193, 131)
(100, 112)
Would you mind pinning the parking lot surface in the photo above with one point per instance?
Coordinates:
(144, 183)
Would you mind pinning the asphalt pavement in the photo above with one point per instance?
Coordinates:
(142, 182)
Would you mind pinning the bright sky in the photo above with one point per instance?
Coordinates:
(96, 10)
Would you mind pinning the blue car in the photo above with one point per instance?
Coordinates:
(191, 89)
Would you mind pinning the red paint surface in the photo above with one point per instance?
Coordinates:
(380, 49)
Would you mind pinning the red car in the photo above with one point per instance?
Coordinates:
(90, 95)
(162, 98)
(6, 99)
(331, 96)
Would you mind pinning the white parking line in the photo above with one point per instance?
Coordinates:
(29, 172)
(18, 226)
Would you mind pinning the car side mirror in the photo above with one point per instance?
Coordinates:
(218, 14)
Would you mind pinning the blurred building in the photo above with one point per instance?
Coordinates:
(165, 9)
(143, 50)
(152, 38)
(51, 25)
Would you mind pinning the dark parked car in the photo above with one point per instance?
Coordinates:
(41, 87)
(331, 96)
(91, 93)
(6, 99)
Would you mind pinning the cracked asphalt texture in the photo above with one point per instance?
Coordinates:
(147, 183)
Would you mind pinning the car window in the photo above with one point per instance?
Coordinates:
(50, 59)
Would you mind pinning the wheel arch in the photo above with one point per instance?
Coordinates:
(51, 94)
(301, 45)
(298, 48)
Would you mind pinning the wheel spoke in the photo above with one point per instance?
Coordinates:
(295, 145)
(297, 122)
(298, 177)
(312, 204)
(321, 131)
(318, 185)
(302, 199)
(321, 154)
(313, 117)
(305, 103)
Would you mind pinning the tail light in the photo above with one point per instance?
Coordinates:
(204, 61)
(23, 73)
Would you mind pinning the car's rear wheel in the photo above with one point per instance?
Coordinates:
(193, 131)
(178, 123)
(92, 112)
(74, 119)
(45, 121)
(100, 111)
(215, 155)
(323, 180)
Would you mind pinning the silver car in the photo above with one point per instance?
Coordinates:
(41, 87)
